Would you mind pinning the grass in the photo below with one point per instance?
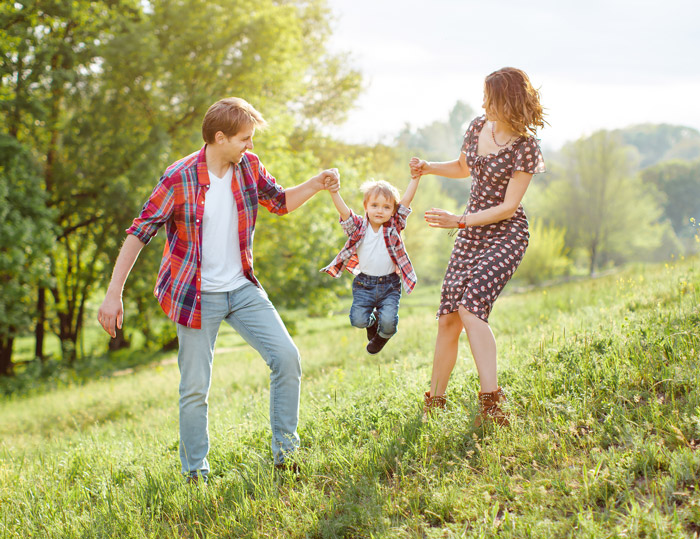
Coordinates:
(602, 376)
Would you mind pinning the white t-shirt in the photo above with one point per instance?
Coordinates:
(222, 270)
(373, 255)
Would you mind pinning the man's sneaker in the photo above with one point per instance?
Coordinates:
(288, 465)
(197, 480)
(372, 330)
(376, 344)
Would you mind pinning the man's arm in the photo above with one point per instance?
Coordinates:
(111, 311)
(296, 196)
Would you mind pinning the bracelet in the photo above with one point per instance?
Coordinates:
(461, 224)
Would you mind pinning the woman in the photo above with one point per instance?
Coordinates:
(501, 155)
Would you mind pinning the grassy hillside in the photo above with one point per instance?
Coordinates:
(603, 381)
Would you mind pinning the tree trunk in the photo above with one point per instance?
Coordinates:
(119, 342)
(594, 255)
(40, 329)
(68, 338)
(6, 367)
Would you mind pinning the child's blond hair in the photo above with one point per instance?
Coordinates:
(380, 187)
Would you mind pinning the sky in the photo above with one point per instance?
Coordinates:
(599, 64)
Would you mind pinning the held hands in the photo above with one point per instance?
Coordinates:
(330, 180)
(418, 167)
(438, 218)
(111, 311)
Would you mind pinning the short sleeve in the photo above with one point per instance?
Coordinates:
(270, 194)
(469, 135)
(528, 157)
(155, 212)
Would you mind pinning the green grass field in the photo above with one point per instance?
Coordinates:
(603, 382)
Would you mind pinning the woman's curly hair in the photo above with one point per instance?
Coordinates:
(510, 95)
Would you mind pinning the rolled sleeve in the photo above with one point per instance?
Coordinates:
(401, 216)
(270, 194)
(155, 212)
(352, 224)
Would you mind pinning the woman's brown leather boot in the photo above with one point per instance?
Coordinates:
(437, 401)
(490, 410)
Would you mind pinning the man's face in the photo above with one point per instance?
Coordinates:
(236, 146)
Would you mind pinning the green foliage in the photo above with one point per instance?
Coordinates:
(679, 184)
(109, 93)
(603, 388)
(606, 210)
(441, 141)
(25, 240)
(546, 256)
(661, 142)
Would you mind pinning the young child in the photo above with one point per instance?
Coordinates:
(376, 255)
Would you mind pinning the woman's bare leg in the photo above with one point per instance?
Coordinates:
(483, 347)
(446, 347)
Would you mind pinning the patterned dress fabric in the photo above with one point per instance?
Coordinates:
(484, 258)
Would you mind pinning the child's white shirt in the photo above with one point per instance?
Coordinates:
(373, 255)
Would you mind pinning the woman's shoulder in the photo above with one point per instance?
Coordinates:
(530, 141)
(476, 123)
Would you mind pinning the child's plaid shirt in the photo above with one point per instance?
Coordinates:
(177, 202)
(355, 228)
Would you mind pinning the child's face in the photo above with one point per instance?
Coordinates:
(379, 209)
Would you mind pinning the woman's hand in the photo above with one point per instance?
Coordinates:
(418, 167)
(438, 218)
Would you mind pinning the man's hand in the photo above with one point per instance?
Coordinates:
(331, 180)
(417, 167)
(111, 312)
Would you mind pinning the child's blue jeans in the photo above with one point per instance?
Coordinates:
(381, 294)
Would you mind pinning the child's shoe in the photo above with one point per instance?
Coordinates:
(372, 330)
(376, 344)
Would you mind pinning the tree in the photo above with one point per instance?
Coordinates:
(679, 184)
(441, 141)
(25, 240)
(120, 88)
(661, 142)
(546, 256)
(50, 56)
(606, 210)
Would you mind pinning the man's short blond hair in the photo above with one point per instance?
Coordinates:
(380, 187)
(230, 115)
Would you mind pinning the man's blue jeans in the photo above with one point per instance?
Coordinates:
(376, 298)
(248, 310)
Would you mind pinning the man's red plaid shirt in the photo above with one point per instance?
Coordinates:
(178, 203)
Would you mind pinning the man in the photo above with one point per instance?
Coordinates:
(208, 202)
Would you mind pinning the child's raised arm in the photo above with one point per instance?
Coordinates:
(410, 191)
(340, 205)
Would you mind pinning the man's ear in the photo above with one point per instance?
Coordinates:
(219, 137)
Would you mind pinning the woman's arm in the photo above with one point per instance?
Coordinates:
(447, 169)
(517, 187)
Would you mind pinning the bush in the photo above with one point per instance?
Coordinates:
(547, 255)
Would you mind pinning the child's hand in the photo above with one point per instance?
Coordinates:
(417, 167)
